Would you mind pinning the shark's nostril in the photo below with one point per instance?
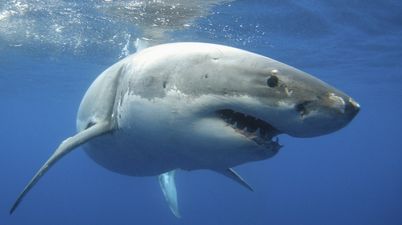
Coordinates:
(302, 108)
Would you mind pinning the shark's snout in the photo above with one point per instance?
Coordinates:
(352, 108)
(347, 107)
(322, 114)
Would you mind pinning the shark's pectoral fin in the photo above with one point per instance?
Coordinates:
(65, 147)
(236, 177)
(168, 186)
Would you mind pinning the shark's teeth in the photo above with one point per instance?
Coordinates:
(253, 128)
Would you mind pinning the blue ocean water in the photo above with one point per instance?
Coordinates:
(51, 51)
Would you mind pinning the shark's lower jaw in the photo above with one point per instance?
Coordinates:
(254, 129)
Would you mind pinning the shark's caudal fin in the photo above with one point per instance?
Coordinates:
(236, 177)
(168, 186)
(65, 147)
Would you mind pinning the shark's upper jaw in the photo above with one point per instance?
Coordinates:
(252, 128)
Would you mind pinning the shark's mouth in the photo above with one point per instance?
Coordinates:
(254, 129)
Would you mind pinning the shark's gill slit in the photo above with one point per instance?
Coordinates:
(255, 129)
(90, 124)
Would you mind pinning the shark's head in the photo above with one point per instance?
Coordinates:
(291, 101)
(255, 93)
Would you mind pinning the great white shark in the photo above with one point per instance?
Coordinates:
(193, 106)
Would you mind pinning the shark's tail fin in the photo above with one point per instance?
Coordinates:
(65, 147)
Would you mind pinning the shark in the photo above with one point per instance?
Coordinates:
(197, 106)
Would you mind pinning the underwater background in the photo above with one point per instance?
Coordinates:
(51, 51)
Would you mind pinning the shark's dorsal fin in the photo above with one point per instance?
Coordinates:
(168, 186)
(65, 147)
(235, 176)
(141, 44)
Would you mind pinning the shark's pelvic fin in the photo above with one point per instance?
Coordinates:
(236, 177)
(168, 186)
(65, 147)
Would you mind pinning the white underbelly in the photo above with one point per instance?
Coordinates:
(135, 153)
(159, 135)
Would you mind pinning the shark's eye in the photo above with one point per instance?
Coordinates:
(272, 81)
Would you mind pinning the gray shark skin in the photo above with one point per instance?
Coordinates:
(194, 106)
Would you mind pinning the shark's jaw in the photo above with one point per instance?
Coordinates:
(252, 128)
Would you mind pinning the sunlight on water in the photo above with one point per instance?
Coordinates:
(80, 27)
